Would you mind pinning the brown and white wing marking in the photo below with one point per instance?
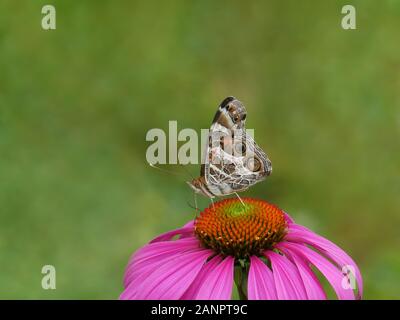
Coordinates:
(230, 116)
(239, 170)
(232, 161)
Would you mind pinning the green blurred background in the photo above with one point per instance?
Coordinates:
(76, 104)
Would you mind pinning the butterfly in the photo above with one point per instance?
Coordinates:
(232, 161)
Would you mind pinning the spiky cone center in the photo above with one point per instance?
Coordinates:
(230, 228)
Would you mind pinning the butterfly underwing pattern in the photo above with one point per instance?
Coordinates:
(232, 160)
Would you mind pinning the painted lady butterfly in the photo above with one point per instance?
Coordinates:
(233, 161)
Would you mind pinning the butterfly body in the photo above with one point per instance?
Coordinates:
(233, 161)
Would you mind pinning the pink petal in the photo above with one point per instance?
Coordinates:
(189, 224)
(151, 249)
(170, 280)
(214, 282)
(152, 255)
(331, 272)
(288, 283)
(260, 281)
(288, 218)
(194, 288)
(186, 230)
(311, 283)
(301, 234)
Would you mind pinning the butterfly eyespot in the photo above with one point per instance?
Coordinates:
(253, 164)
(240, 149)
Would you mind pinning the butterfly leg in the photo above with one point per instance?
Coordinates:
(195, 201)
(212, 202)
(195, 207)
(240, 199)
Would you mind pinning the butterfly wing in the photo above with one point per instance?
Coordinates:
(231, 115)
(237, 171)
(232, 161)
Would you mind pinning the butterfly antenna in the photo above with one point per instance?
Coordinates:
(195, 200)
(188, 172)
(195, 205)
(173, 172)
(164, 170)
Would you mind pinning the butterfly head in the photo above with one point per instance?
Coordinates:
(199, 186)
(234, 113)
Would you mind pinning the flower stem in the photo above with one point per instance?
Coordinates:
(242, 295)
(241, 280)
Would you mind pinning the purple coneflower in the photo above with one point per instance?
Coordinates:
(257, 246)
